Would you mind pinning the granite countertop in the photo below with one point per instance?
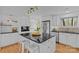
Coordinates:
(67, 30)
(38, 39)
(8, 32)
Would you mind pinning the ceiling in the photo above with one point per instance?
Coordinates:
(43, 10)
(54, 10)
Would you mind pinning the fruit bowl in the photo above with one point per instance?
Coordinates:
(36, 33)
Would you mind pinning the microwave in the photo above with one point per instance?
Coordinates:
(24, 28)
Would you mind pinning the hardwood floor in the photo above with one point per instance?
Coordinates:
(61, 48)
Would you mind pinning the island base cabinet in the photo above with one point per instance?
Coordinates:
(36, 50)
(49, 46)
(45, 49)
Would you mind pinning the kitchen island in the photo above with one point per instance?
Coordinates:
(41, 43)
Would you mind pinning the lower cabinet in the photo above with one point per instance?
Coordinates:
(77, 41)
(48, 46)
(45, 49)
(56, 34)
(62, 38)
(69, 39)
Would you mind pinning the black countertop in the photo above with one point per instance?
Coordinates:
(8, 32)
(38, 39)
(67, 32)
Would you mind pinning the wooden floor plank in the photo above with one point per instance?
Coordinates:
(62, 48)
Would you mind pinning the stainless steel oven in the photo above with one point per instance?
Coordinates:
(24, 28)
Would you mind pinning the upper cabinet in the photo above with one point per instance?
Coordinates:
(23, 21)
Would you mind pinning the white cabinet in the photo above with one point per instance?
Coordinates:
(48, 46)
(33, 47)
(56, 34)
(69, 39)
(62, 38)
(72, 40)
(23, 21)
(45, 49)
(53, 33)
(77, 41)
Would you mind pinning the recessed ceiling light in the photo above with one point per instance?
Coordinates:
(67, 10)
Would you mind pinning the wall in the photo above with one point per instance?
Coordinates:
(17, 12)
(71, 15)
(57, 22)
(56, 19)
(21, 21)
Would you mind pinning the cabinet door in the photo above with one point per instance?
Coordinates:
(62, 38)
(44, 49)
(77, 41)
(33, 47)
(52, 44)
(68, 39)
(49, 45)
(72, 39)
(56, 34)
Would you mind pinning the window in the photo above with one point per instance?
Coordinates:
(70, 21)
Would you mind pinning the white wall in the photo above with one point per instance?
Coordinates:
(71, 15)
(57, 22)
(21, 21)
